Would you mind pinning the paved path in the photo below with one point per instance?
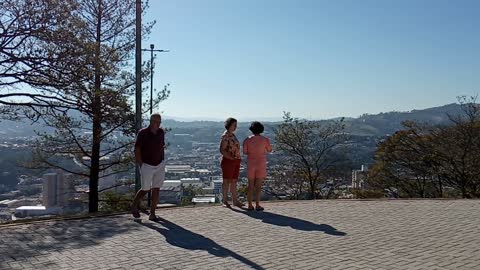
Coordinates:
(289, 235)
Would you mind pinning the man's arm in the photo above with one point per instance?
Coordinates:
(138, 151)
(138, 156)
(163, 139)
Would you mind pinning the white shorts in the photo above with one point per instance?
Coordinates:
(152, 176)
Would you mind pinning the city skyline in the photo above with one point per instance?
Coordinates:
(315, 59)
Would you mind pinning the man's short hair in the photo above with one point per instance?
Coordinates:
(229, 122)
(155, 115)
(256, 127)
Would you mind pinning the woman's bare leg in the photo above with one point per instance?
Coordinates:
(233, 190)
(251, 190)
(258, 191)
(225, 187)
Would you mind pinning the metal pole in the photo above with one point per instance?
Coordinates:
(138, 79)
(149, 197)
(151, 78)
(149, 194)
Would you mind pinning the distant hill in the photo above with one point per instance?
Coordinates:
(19, 128)
(390, 122)
(365, 125)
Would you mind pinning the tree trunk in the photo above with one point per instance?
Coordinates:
(312, 189)
(464, 192)
(440, 187)
(95, 167)
(300, 190)
(97, 121)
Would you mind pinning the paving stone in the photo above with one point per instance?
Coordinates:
(336, 234)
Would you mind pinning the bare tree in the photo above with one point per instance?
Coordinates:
(308, 147)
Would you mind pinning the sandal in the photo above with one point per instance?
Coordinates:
(259, 208)
(250, 208)
(154, 218)
(227, 205)
(135, 213)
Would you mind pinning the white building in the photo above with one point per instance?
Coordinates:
(217, 186)
(178, 169)
(201, 171)
(8, 203)
(57, 189)
(359, 177)
(203, 199)
(31, 211)
(192, 180)
(171, 183)
(18, 203)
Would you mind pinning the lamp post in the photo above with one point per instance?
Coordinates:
(149, 196)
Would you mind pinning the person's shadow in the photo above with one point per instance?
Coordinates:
(294, 223)
(180, 237)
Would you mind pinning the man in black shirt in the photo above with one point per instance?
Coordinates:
(150, 157)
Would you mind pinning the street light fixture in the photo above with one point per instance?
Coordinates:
(151, 72)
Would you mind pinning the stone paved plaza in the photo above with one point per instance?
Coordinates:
(421, 234)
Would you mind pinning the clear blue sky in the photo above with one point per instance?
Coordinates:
(316, 59)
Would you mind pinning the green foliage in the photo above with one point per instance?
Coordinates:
(242, 190)
(186, 201)
(189, 192)
(113, 202)
(424, 160)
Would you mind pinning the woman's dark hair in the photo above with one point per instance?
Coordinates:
(256, 127)
(229, 122)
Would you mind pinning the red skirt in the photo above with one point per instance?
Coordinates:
(230, 168)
